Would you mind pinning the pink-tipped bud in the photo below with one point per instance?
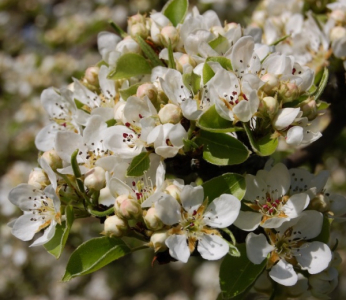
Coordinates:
(115, 226)
(337, 33)
(53, 159)
(270, 105)
(157, 241)
(174, 191)
(38, 178)
(230, 26)
(95, 179)
(184, 61)
(271, 83)
(91, 76)
(289, 91)
(169, 34)
(127, 207)
(170, 113)
(139, 29)
(149, 90)
(135, 19)
(338, 15)
(152, 221)
(310, 110)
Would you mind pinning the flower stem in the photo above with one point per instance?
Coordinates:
(97, 213)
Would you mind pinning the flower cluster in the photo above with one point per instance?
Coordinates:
(136, 140)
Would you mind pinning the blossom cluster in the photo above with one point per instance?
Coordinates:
(179, 87)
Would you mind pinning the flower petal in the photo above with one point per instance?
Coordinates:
(283, 273)
(178, 248)
(192, 197)
(248, 220)
(168, 209)
(257, 247)
(212, 247)
(296, 204)
(46, 236)
(25, 227)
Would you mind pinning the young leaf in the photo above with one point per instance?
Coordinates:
(208, 73)
(263, 146)
(132, 90)
(57, 243)
(280, 40)
(237, 274)
(219, 43)
(192, 81)
(223, 61)
(211, 121)
(175, 10)
(129, 65)
(149, 52)
(229, 183)
(222, 149)
(93, 255)
(139, 165)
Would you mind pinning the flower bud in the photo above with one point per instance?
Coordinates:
(152, 221)
(169, 34)
(289, 91)
(271, 83)
(338, 15)
(170, 113)
(259, 17)
(337, 33)
(320, 203)
(270, 105)
(216, 30)
(135, 19)
(310, 110)
(147, 89)
(128, 45)
(53, 159)
(139, 29)
(114, 226)
(230, 26)
(157, 240)
(174, 191)
(91, 76)
(127, 208)
(323, 283)
(95, 179)
(184, 61)
(38, 178)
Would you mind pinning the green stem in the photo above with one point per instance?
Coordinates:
(139, 248)
(191, 129)
(226, 230)
(97, 213)
(137, 235)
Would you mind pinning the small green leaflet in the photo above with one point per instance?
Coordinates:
(93, 255)
(130, 91)
(176, 10)
(208, 73)
(139, 164)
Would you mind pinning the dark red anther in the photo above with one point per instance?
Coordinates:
(140, 116)
(271, 210)
(293, 71)
(63, 124)
(139, 195)
(133, 183)
(234, 93)
(125, 135)
(236, 101)
(127, 124)
(194, 212)
(277, 201)
(265, 206)
(192, 224)
(244, 96)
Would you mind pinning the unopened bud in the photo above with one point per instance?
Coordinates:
(157, 241)
(270, 105)
(320, 203)
(127, 208)
(289, 91)
(271, 83)
(259, 17)
(91, 76)
(149, 90)
(174, 191)
(114, 226)
(38, 178)
(152, 221)
(338, 15)
(138, 18)
(337, 33)
(170, 113)
(230, 26)
(185, 60)
(169, 35)
(53, 159)
(95, 179)
(310, 110)
(139, 29)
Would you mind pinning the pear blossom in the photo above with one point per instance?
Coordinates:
(268, 196)
(194, 222)
(41, 211)
(289, 247)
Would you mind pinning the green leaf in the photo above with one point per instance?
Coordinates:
(280, 40)
(325, 232)
(129, 65)
(139, 165)
(223, 61)
(263, 146)
(222, 149)
(237, 274)
(93, 255)
(192, 81)
(57, 243)
(321, 105)
(171, 61)
(176, 10)
(322, 84)
(149, 52)
(228, 183)
(219, 43)
(118, 29)
(130, 91)
(111, 122)
(208, 73)
(211, 121)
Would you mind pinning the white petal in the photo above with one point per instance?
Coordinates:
(212, 247)
(191, 197)
(295, 136)
(106, 42)
(257, 247)
(279, 181)
(248, 220)
(118, 187)
(283, 273)
(50, 192)
(23, 196)
(168, 209)
(66, 143)
(274, 222)
(285, 117)
(25, 229)
(296, 204)
(176, 135)
(337, 204)
(222, 212)
(45, 138)
(178, 248)
(46, 236)
(314, 257)
(256, 188)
